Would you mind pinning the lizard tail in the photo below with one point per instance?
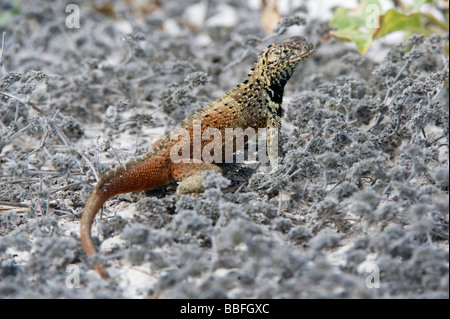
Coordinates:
(134, 176)
(93, 205)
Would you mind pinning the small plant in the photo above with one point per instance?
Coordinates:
(369, 22)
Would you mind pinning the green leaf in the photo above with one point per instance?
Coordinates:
(357, 25)
(361, 40)
(393, 21)
(367, 23)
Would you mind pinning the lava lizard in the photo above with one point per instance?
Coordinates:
(255, 103)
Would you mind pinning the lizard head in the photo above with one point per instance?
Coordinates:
(288, 54)
(277, 63)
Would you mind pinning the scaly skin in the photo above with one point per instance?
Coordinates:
(255, 103)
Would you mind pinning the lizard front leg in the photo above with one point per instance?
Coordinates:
(190, 177)
(273, 139)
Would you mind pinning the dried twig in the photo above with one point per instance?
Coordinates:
(13, 204)
(60, 132)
